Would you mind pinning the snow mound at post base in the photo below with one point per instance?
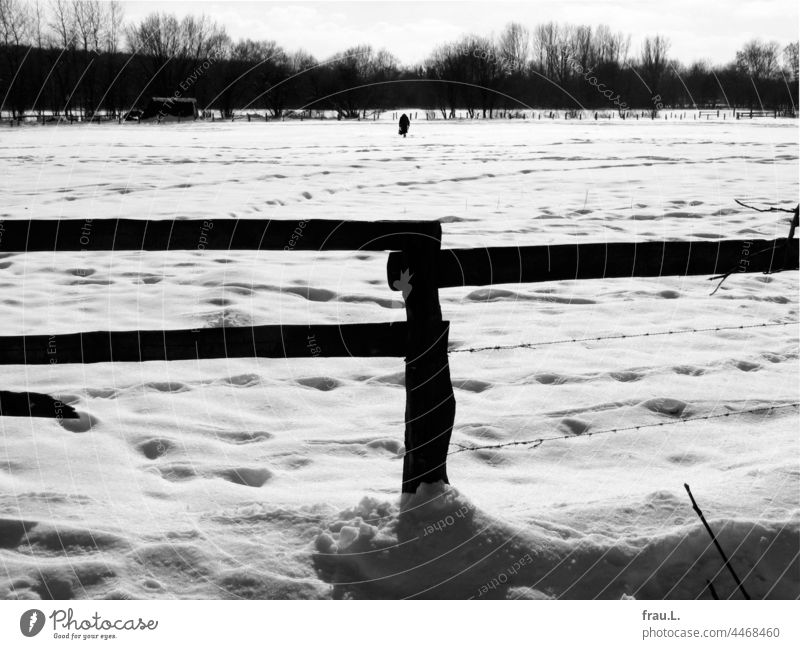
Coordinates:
(437, 544)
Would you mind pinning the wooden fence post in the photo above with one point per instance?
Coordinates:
(430, 403)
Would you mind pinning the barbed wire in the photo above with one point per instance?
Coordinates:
(620, 336)
(535, 443)
(770, 208)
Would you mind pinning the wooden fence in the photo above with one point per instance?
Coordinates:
(417, 265)
(750, 114)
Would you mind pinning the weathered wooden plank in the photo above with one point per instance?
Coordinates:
(33, 404)
(267, 341)
(210, 234)
(511, 265)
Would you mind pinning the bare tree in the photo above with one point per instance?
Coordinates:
(63, 36)
(553, 51)
(15, 23)
(653, 66)
(790, 60)
(113, 26)
(88, 17)
(253, 71)
(514, 46)
(545, 46)
(360, 71)
(444, 68)
(759, 60)
(156, 36)
(612, 48)
(62, 24)
(582, 46)
(485, 72)
(171, 49)
(201, 38)
(275, 71)
(37, 24)
(305, 72)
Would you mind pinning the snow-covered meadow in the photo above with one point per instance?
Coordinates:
(281, 478)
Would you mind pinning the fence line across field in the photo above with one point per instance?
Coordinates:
(417, 265)
(650, 334)
(538, 441)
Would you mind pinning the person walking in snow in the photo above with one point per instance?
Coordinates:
(404, 124)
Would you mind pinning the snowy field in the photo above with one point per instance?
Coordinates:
(280, 478)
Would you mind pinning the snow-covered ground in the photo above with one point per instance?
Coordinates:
(280, 478)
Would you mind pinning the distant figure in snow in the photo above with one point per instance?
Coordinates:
(404, 124)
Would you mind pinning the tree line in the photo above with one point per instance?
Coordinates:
(81, 58)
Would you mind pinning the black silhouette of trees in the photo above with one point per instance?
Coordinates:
(79, 59)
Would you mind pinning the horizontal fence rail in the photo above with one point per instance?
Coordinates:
(385, 339)
(33, 404)
(210, 234)
(513, 265)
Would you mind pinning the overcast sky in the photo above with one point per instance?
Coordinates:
(697, 29)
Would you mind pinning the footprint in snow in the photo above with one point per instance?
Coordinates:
(83, 423)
